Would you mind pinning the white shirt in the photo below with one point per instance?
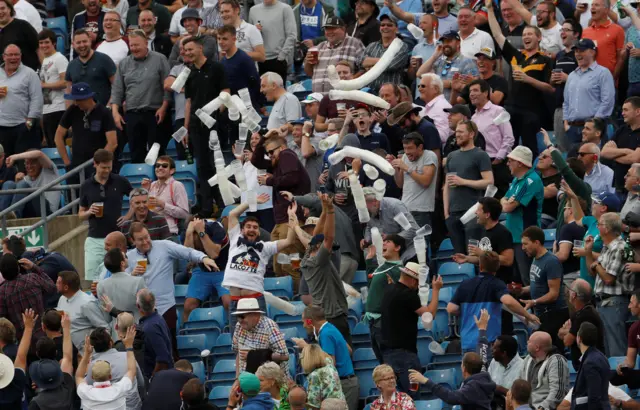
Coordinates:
(85, 315)
(435, 110)
(551, 41)
(614, 392)
(104, 395)
(25, 11)
(117, 50)
(248, 37)
(52, 67)
(246, 266)
(505, 376)
(471, 45)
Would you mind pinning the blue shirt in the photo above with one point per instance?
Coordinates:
(481, 292)
(542, 270)
(460, 64)
(529, 192)
(333, 343)
(157, 343)
(374, 141)
(589, 93)
(591, 225)
(242, 73)
(424, 50)
(634, 63)
(310, 22)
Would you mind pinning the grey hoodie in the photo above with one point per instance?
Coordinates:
(549, 380)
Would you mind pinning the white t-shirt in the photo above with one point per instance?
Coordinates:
(117, 50)
(416, 197)
(25, 11)
(46, 176)
(113, 397)
(248, 37)
(246, 266)
(52, 67)
(551, 41)
(614, 392)
(478, 39)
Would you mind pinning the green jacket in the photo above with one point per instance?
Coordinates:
(379, 281)
(581, 188)
(327, 11)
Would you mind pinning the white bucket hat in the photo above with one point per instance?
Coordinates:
(521, 154)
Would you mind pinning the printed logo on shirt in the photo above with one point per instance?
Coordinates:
(534, 273)
(309, 20)
(529, 181)
(485, 244)
(246, 261)
(240, 35)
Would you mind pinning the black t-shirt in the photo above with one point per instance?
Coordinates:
(537, 66)
(499, 239)
(496, 82)
(110, 194)
(88, 135)
(205, 84)
(60, 398)
(569, 233)
(11, 396)
(567, 62)
(429, 133)
(624, 137)
(59, 351)
(550, 205)
(399, 317)
(164, 390)
(23, 35)
(586, 314)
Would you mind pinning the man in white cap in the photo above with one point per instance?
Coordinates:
(523, 204)
(312, 105)
(401, 308)
(257, 335)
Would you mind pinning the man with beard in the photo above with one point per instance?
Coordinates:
(407, 118)
(592, 132)
(565, 63)
(531, 72)
(448, 63)
(90, 19)
(91, 67)
(366, 26)
(545, 19)
(391, 94)
(361, 117)
(456, 114)
(486, 60)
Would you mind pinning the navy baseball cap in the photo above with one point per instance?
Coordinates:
(319, 238)
(609, 199)
(46, 374)
(586, 44)
(452, 34)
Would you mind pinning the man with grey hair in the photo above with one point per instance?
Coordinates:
(430, 89)
(579, 297)
(157, 339)
(597, 174)
(139, 212)
(613, 282)
(286, 107)
(333, 404)
(382, 213)
(632, 203)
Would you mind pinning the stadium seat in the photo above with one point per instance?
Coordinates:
(307, 84)
(180, 292)
(549, 237)
(224, 370)
(172, 151)
(191, 346)
(364, 359)
(442, 323)
(198, 370)
(429, 404)
(202, 317)
(54, 156)
(59, 26)
(219, 396)
(423, 333)
(454, 273)
(125, 155)
(424, 354)
(360, 336)
(356, 308)
(615, 361)
(573, 373)
(281, 287)
(222, 348)
(445, 250)
(293, 364)
(522, 336)
(286, 321)
(288, 334)
(135, 173)
(365, 380)
(360, 280)
(446, 294)
(447, 377)
(188, 175)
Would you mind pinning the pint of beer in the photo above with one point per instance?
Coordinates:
(295, 260)
(100, 206)
(143, 263)
(151, 203)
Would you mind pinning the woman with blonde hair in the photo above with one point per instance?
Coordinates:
(322, 376)
(273, 381)
(390, 398)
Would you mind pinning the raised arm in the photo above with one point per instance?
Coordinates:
(400, 14)
(29, 318)
(66, 364)
(330, 221)
(291, 235)
(211, 248)
(35, 154)
(234, 215)
(496, 31)
(128, 345)
(84, 362)
(521, 10)
(427, 66)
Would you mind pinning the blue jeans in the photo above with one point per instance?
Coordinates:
(401, 361)
(234, 305)
(614, 316)
(29, 210)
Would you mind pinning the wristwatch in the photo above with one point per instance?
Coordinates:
(306, 134)
(201, 234)
(552, 145)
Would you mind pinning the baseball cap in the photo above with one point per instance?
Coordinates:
(249, 384)
(450, 35)
(298, 121)
(521, 154)
(586, 44)
(459, 109)
(334, 21)
(311, 221)
(609, 199)
(487, 52)
(319, 238)
(46, 374)
(311, 98)
(388, 17)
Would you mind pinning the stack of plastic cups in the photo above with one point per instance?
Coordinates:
(420, 245)
(240, 147)
(329, 142)
(242, 131)
(180, 134)
(380, 185)
(358, 198)
(234, 114)
(206, 119)
(402, 220)
(251, 125)
(336, 157)
(376, 239)
(423, 273)
(244, 95)
(371, 172)
(423, 294)
(238, 172)
(252, 200)
(212, 105)
(214, 143)
(181, 80)
(223, 182)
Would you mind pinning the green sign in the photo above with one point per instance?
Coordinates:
(35, 239)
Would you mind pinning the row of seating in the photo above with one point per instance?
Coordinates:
(445, 250)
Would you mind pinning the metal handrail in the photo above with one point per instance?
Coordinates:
(43, 206)
(30, 190)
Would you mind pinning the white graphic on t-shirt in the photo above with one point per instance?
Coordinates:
(309, 20)
(485, 244)
(246, 261)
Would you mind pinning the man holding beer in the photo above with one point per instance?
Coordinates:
(100, 204)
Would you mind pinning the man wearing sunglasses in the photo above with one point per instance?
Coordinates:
(92, 123)
(597, 174)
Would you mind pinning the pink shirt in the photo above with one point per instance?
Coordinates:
(435, 110)
(176, 203)
(498, 138)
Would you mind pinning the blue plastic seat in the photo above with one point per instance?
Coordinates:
(281, 287)
(436, 404)
(219, 396)
(188, 175)
(445, 250)
(224, 370)
(447, 377)
(454, 273)
(125, 155)
(615, 361)
(202, 317)
(356, 308)
(198, 370)
(59, 26)
(172, 149)
(54, 156)
(360, 279)
(191, 346)
(424, 354)
(281, 317)
(135, 173)
(365, 380)
(361, 336)
(549, 237)
(180, 292)
(307, 84)
(222, 348)
(364, 359)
